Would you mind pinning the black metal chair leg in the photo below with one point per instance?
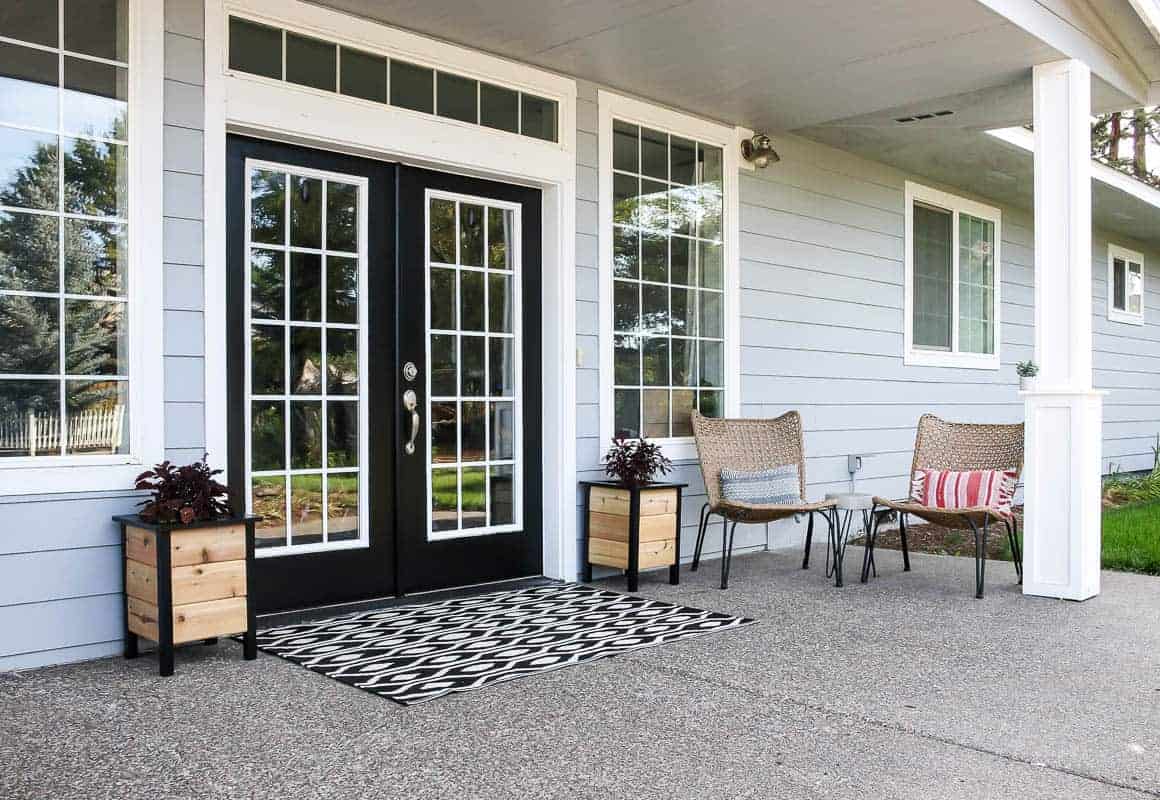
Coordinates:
(905, 546)
(726, 552)
(1016, 548)
(871, 535)
(701, 528)
(980, 555)
(809, 541)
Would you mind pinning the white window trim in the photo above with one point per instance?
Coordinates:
(52, 474)
(238, 103)
(1122, 314)
(614, 106)
(913, 356)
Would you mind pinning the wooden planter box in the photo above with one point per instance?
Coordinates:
(632, 528)
(187, 583)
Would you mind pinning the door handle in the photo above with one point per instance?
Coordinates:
(411, 405)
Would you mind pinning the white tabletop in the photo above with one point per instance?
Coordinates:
(851, 502)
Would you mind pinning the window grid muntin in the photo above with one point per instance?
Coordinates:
(515, 464)
(62, 377)
(695, 284)
(435, 72)
(324, 398)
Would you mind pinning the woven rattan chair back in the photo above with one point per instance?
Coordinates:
(966, 446)
(747, 444)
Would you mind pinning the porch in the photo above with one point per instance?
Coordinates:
(902, 687)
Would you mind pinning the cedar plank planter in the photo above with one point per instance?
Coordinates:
(632, 528)
(187, 583)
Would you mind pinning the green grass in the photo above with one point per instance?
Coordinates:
(1132, 538)
(443, 486)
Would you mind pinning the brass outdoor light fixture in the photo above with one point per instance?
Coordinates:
(758, 150)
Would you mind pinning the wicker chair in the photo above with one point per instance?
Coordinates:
(749, 444)
(959, 446)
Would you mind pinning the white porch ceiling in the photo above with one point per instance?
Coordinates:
(837, 71)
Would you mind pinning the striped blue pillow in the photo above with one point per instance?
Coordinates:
(780, 486)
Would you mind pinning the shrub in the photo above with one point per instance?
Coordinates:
(183, 494)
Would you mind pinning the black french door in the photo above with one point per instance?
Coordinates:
(469, 482)
(349, 287)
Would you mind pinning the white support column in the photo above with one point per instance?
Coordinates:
(1064, 415)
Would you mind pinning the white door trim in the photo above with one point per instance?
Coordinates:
(280, 111)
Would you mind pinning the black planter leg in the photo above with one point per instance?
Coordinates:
(727, 555)
(809, 542)
(702, 527)
(868, 553)
(905, 546)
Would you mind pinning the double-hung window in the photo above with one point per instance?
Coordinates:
(952, 280)
(1125, 285)
(69, 168)
(668, 246)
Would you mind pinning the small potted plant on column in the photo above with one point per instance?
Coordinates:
(631, 521)
(1026, 370)
(187, 563)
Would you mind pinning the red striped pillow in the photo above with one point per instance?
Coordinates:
(984, 488)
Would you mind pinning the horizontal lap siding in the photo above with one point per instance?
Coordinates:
(60, 579)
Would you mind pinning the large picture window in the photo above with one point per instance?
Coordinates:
(64, 289)
(952, 280)
(1125, 285)
(668, 320)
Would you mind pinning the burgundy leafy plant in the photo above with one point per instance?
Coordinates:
(183, 494)
(635, 462)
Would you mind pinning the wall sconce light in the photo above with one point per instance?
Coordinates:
(758, 150)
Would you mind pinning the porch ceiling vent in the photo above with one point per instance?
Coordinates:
(924, 116)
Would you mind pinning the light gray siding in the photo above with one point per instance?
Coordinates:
(822, 299)
(60, 576)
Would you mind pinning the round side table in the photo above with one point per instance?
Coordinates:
(845, 506)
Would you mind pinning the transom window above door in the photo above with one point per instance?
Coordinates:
(1125, 285)
(285, 55)
(306, 358)
(668, 315)
(952, 280)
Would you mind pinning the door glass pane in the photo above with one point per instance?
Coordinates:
(268, 501)
(976, 284)
(474, 496)
(305, 341)
(306, 509)
(305, 212)
(932, 277)
(342, 507)
(472, 272)
(501, 495)
(444, 499)
(538, 118)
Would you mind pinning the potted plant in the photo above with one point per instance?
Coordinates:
(187, 562)
(635, 462)
(631, 522)
(1026, 370)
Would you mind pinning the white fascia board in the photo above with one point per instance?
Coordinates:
(1025, 140)
(1149, 13)
(1096, 48)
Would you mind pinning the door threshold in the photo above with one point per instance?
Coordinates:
(315, 613)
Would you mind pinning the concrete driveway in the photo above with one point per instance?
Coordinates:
(906, 687)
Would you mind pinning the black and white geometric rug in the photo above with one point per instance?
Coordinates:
(416, 653)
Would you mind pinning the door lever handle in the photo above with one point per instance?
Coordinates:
(411, 405)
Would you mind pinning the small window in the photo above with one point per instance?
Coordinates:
(255, 48)
(952, 280)
(1125, 286)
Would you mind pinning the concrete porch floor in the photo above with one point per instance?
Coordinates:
(903, 688)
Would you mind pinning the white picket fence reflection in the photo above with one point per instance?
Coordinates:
(97, 430)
